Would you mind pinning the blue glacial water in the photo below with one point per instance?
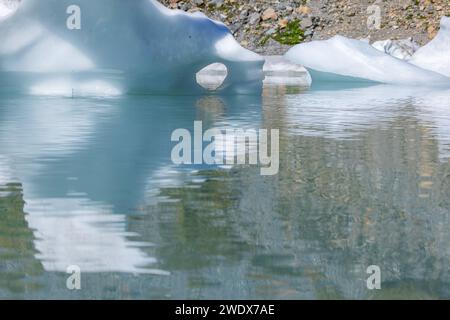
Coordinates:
(364, 180)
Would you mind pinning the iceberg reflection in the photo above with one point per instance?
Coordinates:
(344, 113)
(78, 203)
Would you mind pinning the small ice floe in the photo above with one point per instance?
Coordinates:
(402, 49)
(341, 59)
(121, 46)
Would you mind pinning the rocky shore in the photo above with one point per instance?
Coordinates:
(273, 26)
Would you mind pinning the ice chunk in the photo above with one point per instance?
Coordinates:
(346, 60)
(126, 46)
(435, 55)
(402, 49)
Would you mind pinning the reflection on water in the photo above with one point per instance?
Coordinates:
(364, 179)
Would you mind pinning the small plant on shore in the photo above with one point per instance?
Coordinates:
(291, 35)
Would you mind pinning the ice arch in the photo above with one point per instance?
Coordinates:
(136, 46)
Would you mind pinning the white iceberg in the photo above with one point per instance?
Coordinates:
(341, 59)
(118, 46)
(435, 55)
(348, 60)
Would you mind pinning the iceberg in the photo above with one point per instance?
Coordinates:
(114, 47)
(435, 55)
(341, 59)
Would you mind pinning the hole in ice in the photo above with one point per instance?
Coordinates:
(212, 76)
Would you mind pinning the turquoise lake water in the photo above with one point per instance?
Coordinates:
(364, 180)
